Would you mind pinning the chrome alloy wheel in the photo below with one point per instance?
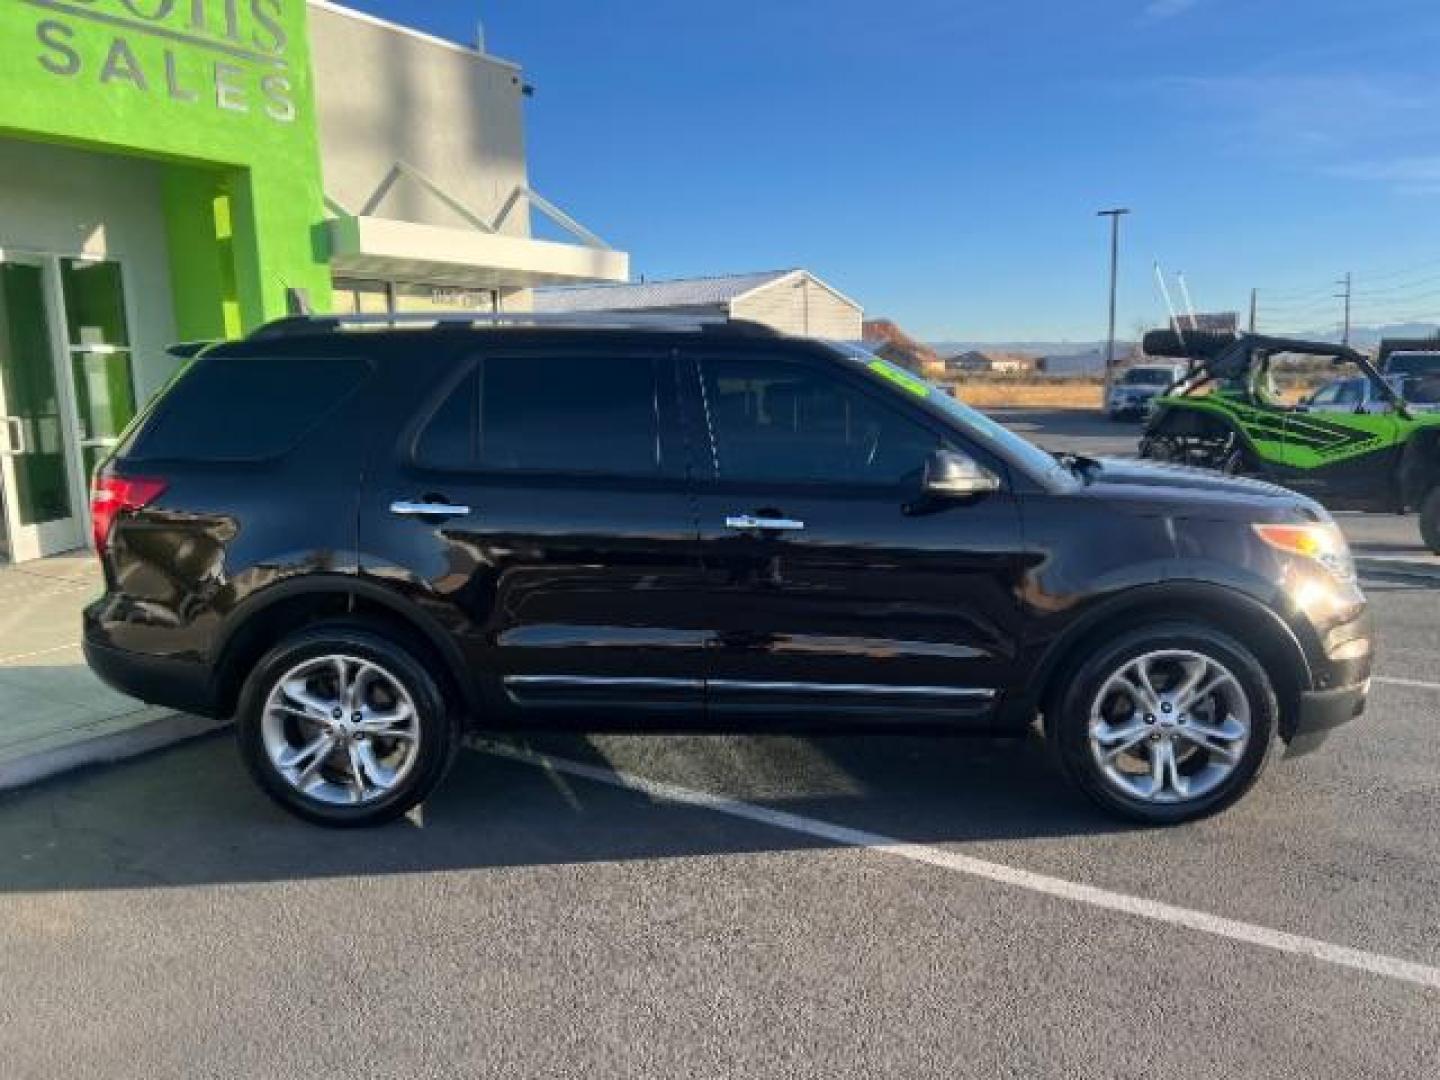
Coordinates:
(341, 730)
(1169, 726)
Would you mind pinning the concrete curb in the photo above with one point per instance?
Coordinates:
(111, 742)
(1399, 566)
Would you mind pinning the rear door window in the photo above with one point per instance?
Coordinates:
(549, 414)
(243, 408)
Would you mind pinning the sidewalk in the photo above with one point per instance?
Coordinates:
(54, 714)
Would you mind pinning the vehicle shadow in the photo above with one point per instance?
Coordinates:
(189, 816)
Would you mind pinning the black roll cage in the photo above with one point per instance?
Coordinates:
(1226, 356)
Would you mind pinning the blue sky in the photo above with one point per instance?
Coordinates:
(942, 160)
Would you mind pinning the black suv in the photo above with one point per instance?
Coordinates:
(360, 540)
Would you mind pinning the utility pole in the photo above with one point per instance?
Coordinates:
(1345, 283)
(1254, 305)
(1114, 216)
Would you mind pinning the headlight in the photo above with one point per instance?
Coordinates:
(1321, 544)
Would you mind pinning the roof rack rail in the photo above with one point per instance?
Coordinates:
(295, 325)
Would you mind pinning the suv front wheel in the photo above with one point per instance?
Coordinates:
(1430, 520)
(344, 727)
(1165, 724)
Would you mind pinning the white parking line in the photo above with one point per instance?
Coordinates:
(1420, 683)
(1373, 963)
(38, 652)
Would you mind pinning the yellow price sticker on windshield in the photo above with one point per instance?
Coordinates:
(901, 378)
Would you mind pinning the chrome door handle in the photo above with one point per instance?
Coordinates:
(748, 522)
(402, 508)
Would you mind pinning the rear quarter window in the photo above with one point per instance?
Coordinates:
(243, 408)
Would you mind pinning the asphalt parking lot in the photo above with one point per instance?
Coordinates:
(1080, 431)
(779, 906)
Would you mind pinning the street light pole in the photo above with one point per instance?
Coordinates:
(1114, 216)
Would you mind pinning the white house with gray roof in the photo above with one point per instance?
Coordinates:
(791, 301)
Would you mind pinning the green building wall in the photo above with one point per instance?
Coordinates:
(220, 92)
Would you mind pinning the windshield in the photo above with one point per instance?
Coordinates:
(1147, 377)
(1023, 452)
(1421, 389)
(1413, 363)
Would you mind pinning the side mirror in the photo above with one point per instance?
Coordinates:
(950, 474)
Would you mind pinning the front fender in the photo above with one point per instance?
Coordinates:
(1284, 648)
(1420, 466)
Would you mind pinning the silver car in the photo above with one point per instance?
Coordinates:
(1135, 391)
(1359, 394)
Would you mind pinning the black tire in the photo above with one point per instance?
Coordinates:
(1238, 463)
(1163, 448)
(437, 729)
(1068, 726)
(1430, 520)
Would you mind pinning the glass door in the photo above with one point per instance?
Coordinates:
(39, 510)
(97, 337)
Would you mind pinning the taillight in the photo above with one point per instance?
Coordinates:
(111, 496)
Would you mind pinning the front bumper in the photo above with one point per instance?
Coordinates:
(1321, 712)
(1130, 406)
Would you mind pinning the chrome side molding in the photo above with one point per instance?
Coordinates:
(750, 523)
(578, 681)
(423, 509)
(972, 693)
(876, 689)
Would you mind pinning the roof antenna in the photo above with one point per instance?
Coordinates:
(480, 37)
(1189, 304)
(1169, 304)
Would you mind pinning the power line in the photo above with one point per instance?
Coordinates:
(1387, 275)
(1304, 293)
(1295, 294)
(1348, 284)
(1391, 290)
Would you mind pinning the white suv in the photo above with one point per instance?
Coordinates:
(1138, 386)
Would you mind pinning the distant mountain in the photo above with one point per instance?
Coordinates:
(1034, 348)
(1061, 357)
(1089, 355)
(1365, 337)
(1089, 362)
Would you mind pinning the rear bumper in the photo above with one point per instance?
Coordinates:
(174, 684)
(1322, 711)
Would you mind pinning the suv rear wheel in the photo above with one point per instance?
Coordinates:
(344, 727)
(1166, 724)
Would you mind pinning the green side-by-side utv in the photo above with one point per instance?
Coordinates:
(1224, 414)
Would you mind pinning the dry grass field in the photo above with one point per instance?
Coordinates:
(1017, 393)
(1289, 384)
